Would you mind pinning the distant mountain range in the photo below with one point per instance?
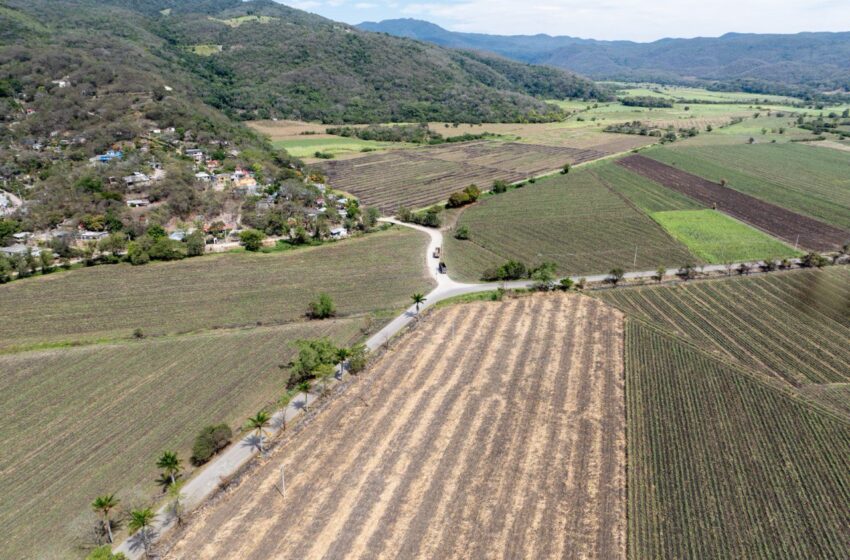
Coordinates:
(763, 63)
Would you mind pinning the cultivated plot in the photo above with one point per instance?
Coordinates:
(573, 220)
(716, 238)
(789, 226)
(377, 272)
(801, 178)
(417, 178)
(725, 465)
(87, 421)
(493, 430)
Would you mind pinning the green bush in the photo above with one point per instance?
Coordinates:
(322, 307)
(105, 553)
(462, 233)
(252, 239)
(511, 270)
(210, 441)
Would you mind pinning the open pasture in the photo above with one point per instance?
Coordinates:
(716, 238)
(808, 180)
(573, 220)
(789, 226)
(305, 147)
(375, 273)
(492, 430)
(418, 178)
(725, 465)
(87, 421)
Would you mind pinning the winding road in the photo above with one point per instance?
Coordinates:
(205, 482)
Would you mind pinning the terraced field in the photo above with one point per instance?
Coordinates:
(780, 222)
(803, 179)
(575, 221)
(87, 421)
(376, 273)
(725, 465)
(492, 430)
(418, 178)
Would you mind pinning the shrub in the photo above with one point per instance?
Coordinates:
(210, 441)
(499, 186)
(311, 355)
(511, 270)
(252, 239)
(566, 169)
(357, 358)
(105, 553)
(566, 284)
(814, 260)
(462, 233)
(322, 307)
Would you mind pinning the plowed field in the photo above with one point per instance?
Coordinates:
(777, 221)
(418, 178)
(492, 430)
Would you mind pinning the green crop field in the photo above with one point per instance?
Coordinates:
(716, 238)
(375, 273)
(91, 420)
(307, 146)
(792, 325)
(646, 194)
(811, 181)
(575, 221)
(725, 465)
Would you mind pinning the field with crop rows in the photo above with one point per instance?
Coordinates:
(725, 465)
(792, 325)
(716, 238)
(92, 420)
(374, 273)
(418, 178)
(574, 221)
(778, 221)
(492, 430)
(646, 194)
(808, 180)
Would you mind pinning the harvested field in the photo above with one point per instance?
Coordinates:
(83, 422)
(780, 222)
(492, 430)
(375, 273)
(725, 465)
(420, 177)
(573, 220)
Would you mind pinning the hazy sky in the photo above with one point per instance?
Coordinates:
(637, 20)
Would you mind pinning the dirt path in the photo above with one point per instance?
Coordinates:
(493, 430)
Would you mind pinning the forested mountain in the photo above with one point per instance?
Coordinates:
(780, 63)
(80, 77)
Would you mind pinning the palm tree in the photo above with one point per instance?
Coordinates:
(140, 522)
(103, 505)
(175, 492)
(418, 299)
(258, 424)
(284, 404)
(170, 463)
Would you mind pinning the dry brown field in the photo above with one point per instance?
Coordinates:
(492, 430)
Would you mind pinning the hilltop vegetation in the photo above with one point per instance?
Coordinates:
(800, 64)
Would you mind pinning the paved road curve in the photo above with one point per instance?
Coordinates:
(205, 482)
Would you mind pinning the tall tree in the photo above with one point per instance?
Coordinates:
(140, 522)
(104, 505)
(418, 299)
(170, 463)
(258, 424)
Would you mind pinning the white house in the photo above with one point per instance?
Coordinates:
(138, 202)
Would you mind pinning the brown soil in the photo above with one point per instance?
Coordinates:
(493, 430)
(775, 220)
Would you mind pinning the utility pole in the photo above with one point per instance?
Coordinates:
(797, 242)
(282, 482)
(634, 264)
